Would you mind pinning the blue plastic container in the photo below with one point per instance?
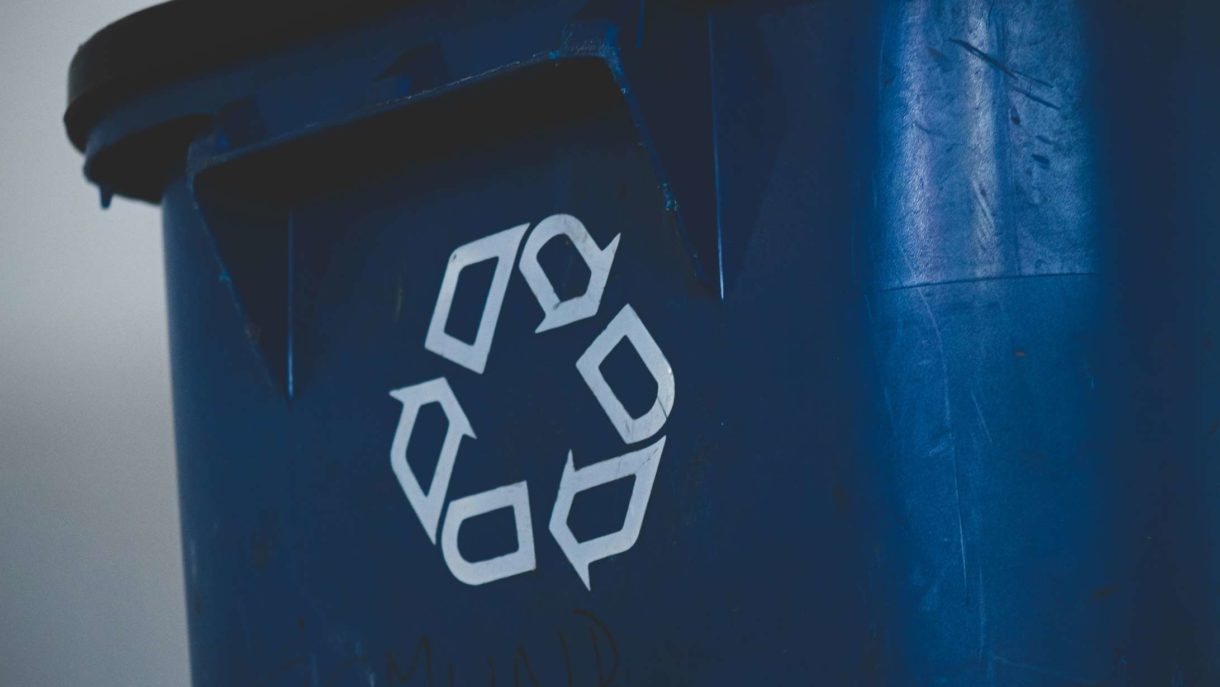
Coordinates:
(614, 342)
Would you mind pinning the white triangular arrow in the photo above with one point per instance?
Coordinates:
(501, 247)
(428, 505)
(643, 465)
(558, 313)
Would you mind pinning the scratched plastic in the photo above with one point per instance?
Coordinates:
(684, 343)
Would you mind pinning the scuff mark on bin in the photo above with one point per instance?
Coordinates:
(999, 65)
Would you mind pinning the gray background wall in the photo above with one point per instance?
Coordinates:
(91, 587)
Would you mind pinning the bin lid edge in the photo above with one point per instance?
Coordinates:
(176, 39)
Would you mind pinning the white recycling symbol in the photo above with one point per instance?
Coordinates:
(639, 463)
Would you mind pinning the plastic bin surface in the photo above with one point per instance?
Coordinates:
(685, 343)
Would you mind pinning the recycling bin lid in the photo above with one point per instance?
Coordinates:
(180, 38)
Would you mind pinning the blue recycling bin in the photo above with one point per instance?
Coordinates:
(611, 342)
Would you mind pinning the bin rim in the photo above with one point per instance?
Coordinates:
(181, 38)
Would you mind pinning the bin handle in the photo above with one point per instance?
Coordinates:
(665, 84)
